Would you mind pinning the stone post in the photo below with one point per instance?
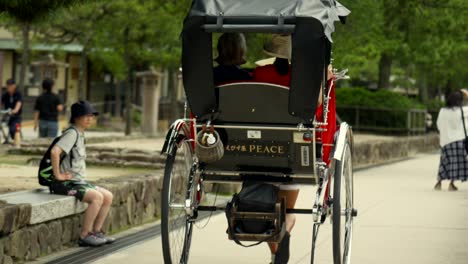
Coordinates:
(150, 108)
(49, 68)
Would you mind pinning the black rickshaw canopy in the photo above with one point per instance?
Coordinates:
(310, 23)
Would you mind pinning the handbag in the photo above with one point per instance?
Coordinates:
(464, 130)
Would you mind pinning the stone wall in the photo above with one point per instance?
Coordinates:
(136, 201)
(378, 152)
(31, 242)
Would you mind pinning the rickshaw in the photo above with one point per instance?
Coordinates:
(259, 131)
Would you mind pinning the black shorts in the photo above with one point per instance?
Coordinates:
(71, 188)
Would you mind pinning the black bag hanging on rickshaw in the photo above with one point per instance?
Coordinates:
(254, 197)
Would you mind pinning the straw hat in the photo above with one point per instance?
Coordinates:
(279, 46)
(265, 61)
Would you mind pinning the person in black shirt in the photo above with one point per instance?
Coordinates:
(13, 100)
(231, 54)
(47, 108)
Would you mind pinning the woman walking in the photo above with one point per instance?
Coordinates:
(451, 123)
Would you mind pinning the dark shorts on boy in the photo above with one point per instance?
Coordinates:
(72, 188)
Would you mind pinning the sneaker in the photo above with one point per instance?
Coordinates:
(438, 186)
(452, 187)
(91, 241)
(101, 235)
(282, 255)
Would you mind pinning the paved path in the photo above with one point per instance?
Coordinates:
(401, 220)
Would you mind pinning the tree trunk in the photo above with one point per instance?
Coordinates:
(24, 57)
(128, 91)
(118, 98)
(83, 59)
(128, 103)
(448, 88)
(423, 88)
(385, 65)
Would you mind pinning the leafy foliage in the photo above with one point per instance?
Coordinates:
(376, 110)
(123, 34)
(425, 40)
(28, 11)
(375, 99)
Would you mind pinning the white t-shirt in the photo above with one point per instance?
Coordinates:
(449, 123)
(77, 166)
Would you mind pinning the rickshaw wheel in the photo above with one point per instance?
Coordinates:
(177, 203)
(342, 212)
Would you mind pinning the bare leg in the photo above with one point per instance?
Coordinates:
(273, 247)
(291, 198)
(106, 204)
(94, 200)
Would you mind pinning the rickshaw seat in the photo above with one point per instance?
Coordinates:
(255, 103)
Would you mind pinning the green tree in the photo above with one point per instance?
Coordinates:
(375, 34)
(75, 24)
(25, 13)
(423, 40)
(438, 45)
(139, 34)
(357, 44)
(124, 36)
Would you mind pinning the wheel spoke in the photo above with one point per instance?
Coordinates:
(177, 197)
(343, 209)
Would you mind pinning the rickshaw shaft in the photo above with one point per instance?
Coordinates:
(222, 208)
(298, 129)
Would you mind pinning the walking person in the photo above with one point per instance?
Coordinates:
(70, 174)
(47, 109)
(452, 123)
(13, 100)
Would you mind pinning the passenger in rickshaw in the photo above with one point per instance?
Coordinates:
(279, 47)
(279, 72)
(231, 54)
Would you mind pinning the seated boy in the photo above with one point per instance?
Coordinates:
(71, 172)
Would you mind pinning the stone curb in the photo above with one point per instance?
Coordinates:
(27, 234)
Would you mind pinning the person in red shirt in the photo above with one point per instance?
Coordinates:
(279, 72)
